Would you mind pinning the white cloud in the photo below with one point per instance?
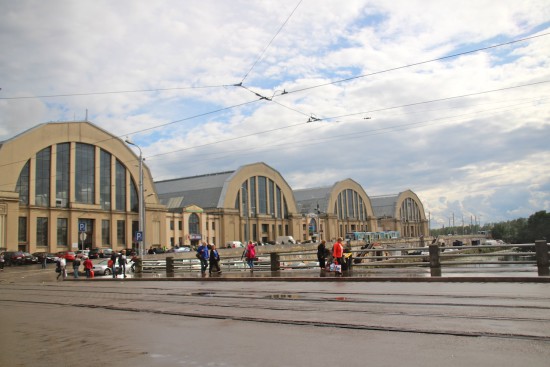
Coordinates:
(483, 155)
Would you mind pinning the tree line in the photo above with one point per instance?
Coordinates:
(521, 230)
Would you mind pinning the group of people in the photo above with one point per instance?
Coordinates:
(121, 259)
(209, 258)
(337, 258)
(61, 267)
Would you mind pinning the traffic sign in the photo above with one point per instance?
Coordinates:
(82, 227)
(139, 236)
(83, 236)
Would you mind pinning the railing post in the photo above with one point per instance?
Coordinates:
(435, 263)
(541, 248)
(139, 265)
(275, 261)
(169, 265)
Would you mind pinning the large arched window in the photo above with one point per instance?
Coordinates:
(194, 224)
(62, 172)
(105, 180)
(42, 174)
(349, 204)
(22, 186)
(261, 195)
(85, 173)
(120, 186)
(134, 201)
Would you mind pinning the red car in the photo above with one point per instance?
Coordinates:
(68, 255)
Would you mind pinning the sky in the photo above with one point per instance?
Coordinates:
(447, 99)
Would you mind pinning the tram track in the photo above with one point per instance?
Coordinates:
(370, 311)
(288, 322)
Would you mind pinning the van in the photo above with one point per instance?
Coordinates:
(233, 244)
(285, 240)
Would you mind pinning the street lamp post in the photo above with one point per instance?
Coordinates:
(141, 200)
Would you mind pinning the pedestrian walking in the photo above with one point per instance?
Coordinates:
(76, 265)
(88, 266)
(2, 261)
(61, 268)
(250, 254)
(214, 260)
(338, 253)
(122, 262)
(203, 255)
(112, 264)
(44, 261)
(322, 254)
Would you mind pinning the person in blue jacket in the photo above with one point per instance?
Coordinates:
(203, 255)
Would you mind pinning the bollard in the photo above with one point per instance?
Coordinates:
(435, 264)
(169, 265)
(541, 248)
(139, 265)
(275, 261)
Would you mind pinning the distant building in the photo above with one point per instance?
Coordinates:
(70, 185)
(402, 212)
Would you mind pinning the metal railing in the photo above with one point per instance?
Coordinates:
(433, 256)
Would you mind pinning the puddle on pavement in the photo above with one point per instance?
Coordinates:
(203, 294)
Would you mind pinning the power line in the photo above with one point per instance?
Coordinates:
(415, 64)
(269, 44)
(118, 92)
(353, 114)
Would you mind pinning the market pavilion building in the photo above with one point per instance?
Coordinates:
(72, 184)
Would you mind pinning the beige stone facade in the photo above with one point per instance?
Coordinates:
(58, 177)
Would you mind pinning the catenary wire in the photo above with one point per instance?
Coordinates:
(270, 42)
(413, 64)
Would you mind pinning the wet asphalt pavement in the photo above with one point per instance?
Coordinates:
(258, 319)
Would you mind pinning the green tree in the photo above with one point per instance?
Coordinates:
(538, 226)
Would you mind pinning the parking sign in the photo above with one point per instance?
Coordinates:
(82, 227)
(139, 236)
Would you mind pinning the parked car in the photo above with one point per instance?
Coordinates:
(106, 253)
(233, 244)
(102, 267)
(50, 258)
(81, 254)
(182, 249)
(94, 253)
(130, 251)
(19, 258)
(68, 255)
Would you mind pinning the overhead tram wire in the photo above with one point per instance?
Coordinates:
(270, 42)
(411, 65)
(371, 132)
(365, 133)
(334, 117)
(288, 126)
(438, 100)
(270, 99)
(119, 92)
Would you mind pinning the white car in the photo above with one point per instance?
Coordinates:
(182, 249)
(233, 244)
(102, 268)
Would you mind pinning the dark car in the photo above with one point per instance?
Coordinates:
(130, 251)
(50, 258)
(19, 258)
(94, 253)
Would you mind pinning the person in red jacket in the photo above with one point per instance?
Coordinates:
(88, 266)
(250, 254)
(338, 253)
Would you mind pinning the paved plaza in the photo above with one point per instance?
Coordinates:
(271, 322)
